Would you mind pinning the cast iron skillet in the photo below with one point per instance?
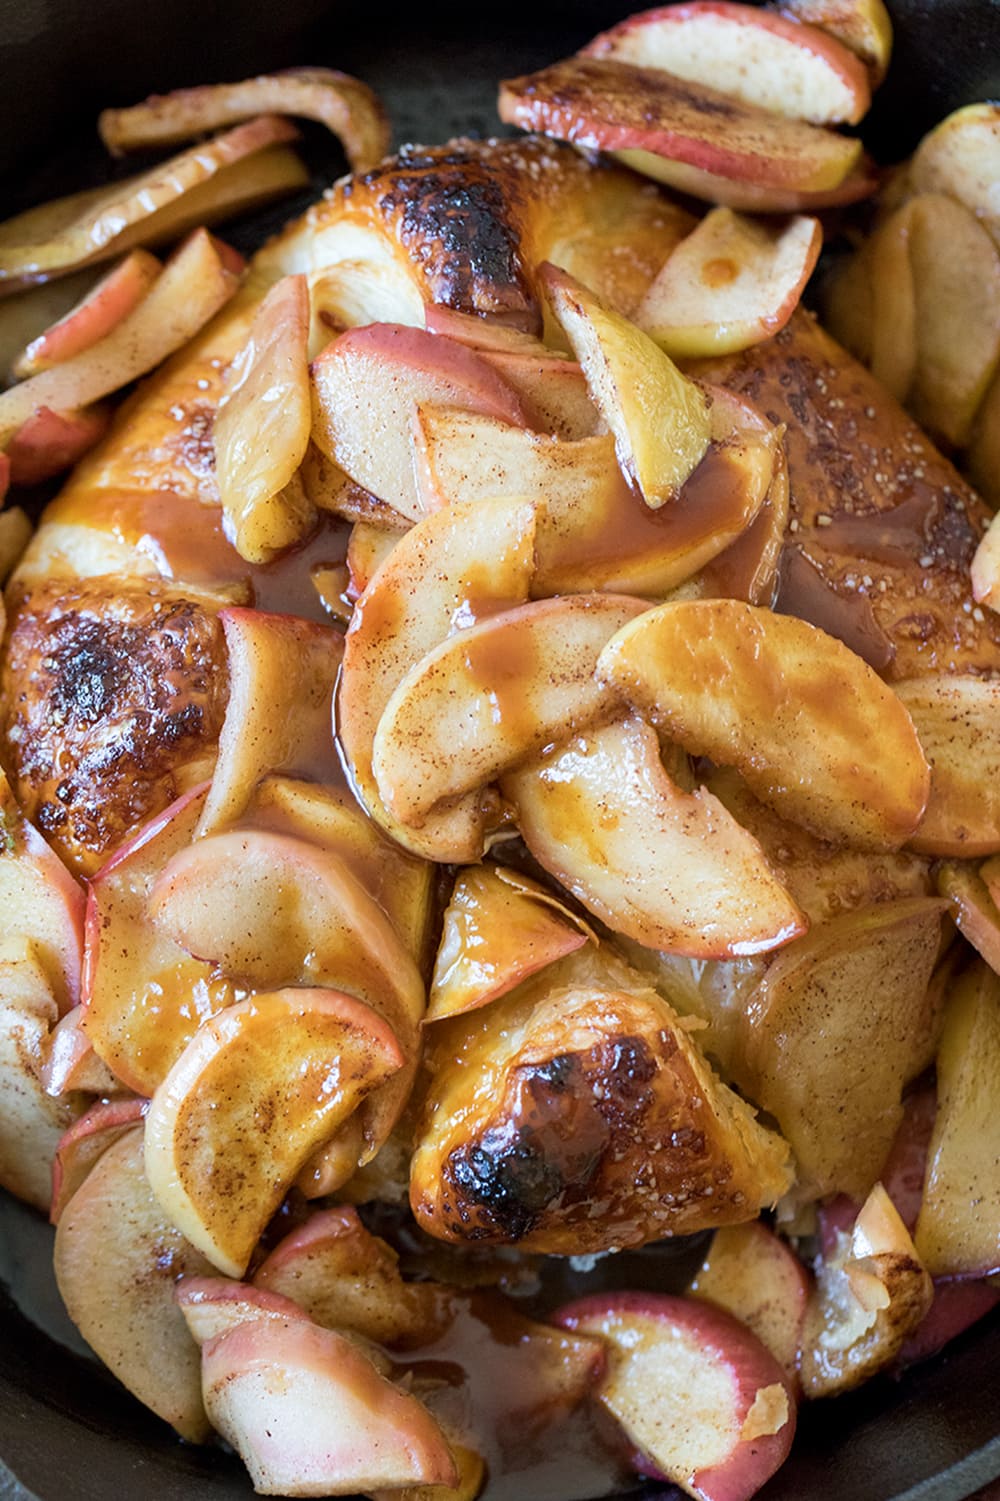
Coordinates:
(68, 1432)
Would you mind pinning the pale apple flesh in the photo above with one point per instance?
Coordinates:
(736, 192)
(32, 1122)
(957, 724)
(961, 157)
(862, 25)
(213, 1305)
(753, 1275)
(973, 909)
(87, 1139)
(69, 1061)
(105, 305)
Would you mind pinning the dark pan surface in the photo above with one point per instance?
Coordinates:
(67, 1431)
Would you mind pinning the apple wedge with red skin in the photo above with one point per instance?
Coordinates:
(864, 26)
(752, 1274)
(756, 56)
(104, 306)
(70, 1063)
(213, 1305)
(371, 379)
(956, 1307)
(279, 717)
(144, 996)
(707, 1406)
(255, 1092)
(750, 197)
(42, 904)
(117, 1259)
(32, 1122)
(87, 1139)
(605, 105)
(49, 442)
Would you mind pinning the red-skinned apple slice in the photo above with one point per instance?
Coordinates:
(739, 684)
(117, 1258)
(957, 721)
(753, 55)
(370, 380)
(433, 581)
(499, 927)
(144, 996)
(668, 868)
(755, 1276)
(961, 157)
(310, 1415)
(261, 430)
(69, 1062)
(279, 717)
(956, 1307)
(32, 1122)
(213, 1305)
(49, 442)
(732, 283)
(104, 306)
(87, 1139)
(703, 1400)
(905, 1167)
(554, 391)
(42, 904)
(255, 1092)
(661, 421)
(345, 105)
(193, 285)
(749, 197)
(493, 695)
(607, 105)
(862, 25)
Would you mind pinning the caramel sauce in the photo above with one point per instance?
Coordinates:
(803, 591)
(499, 665)
(285, 587)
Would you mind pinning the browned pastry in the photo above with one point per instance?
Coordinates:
(882, 527)
(114, 698)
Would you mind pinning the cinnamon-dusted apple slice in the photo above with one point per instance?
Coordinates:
(493, 695)
(49, 442)
(42, 904)
(104, 306)
(66, 233)
(69, 1062)
(669, 869)
(279, 718)
(661, 421)
(730, 284)
(643, 112)
(195, 282)
(831, 1036)
(892, 356)
(958, 1230)
(816, 734)
(367, 550)
(554, 390)
(756, 56)
(433, 581)
(870, 1295)
(258, 1088)
(863, 26)
(754, 1275)
(87, 1139)
(961, 157)
(310, 1415)
(956, 719)
(973, 909)
(213, 1305)
(499, 927)
(144, 996)
(32, 1122)
(371, 379)
(982, 456)
(345, 105)
(261, 430)
(117, 1259)
(749, 197)
(705, 1403)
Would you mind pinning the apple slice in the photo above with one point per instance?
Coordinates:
(254, 1093)
(213, 1305)
(754, 1276)
(669, 869)
(66, 233)
(705, 1403)
(491, 696)
(905, 1168)
(732, 283)
(104, 306)
(892, 356)
(483, 333)
(193, 285)
(279, 717)
(117, 1259)
(737, 683)
(749, 567)
(42, 904)
(32, 1122)
(553, 389)
(956, 719)
(973, 909)
(432, 582)
(958, 1231)
(49, 442)
(982, 458)
(749, 197)
(87, 1139)
(69, 1062)
(371, 380)
(870, 1295)
(261, 430)
(756, 56)
(961, 157)
(499, 927)
(661, 421)
(367, 550)
(310, 1415)
(862, 25)
(345, 105)
(607, 105)
(956, 1307)
(144, 996)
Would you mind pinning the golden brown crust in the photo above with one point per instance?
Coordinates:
(114, 695)
(882, 528)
